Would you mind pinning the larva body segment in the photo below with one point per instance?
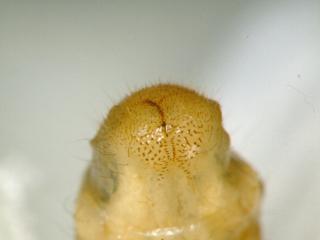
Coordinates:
(162, 169)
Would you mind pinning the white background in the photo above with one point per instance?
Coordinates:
(63, 65)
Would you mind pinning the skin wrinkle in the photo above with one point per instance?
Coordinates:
(162, 161)
(154, 104)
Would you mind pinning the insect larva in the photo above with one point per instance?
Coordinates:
(162, 169)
